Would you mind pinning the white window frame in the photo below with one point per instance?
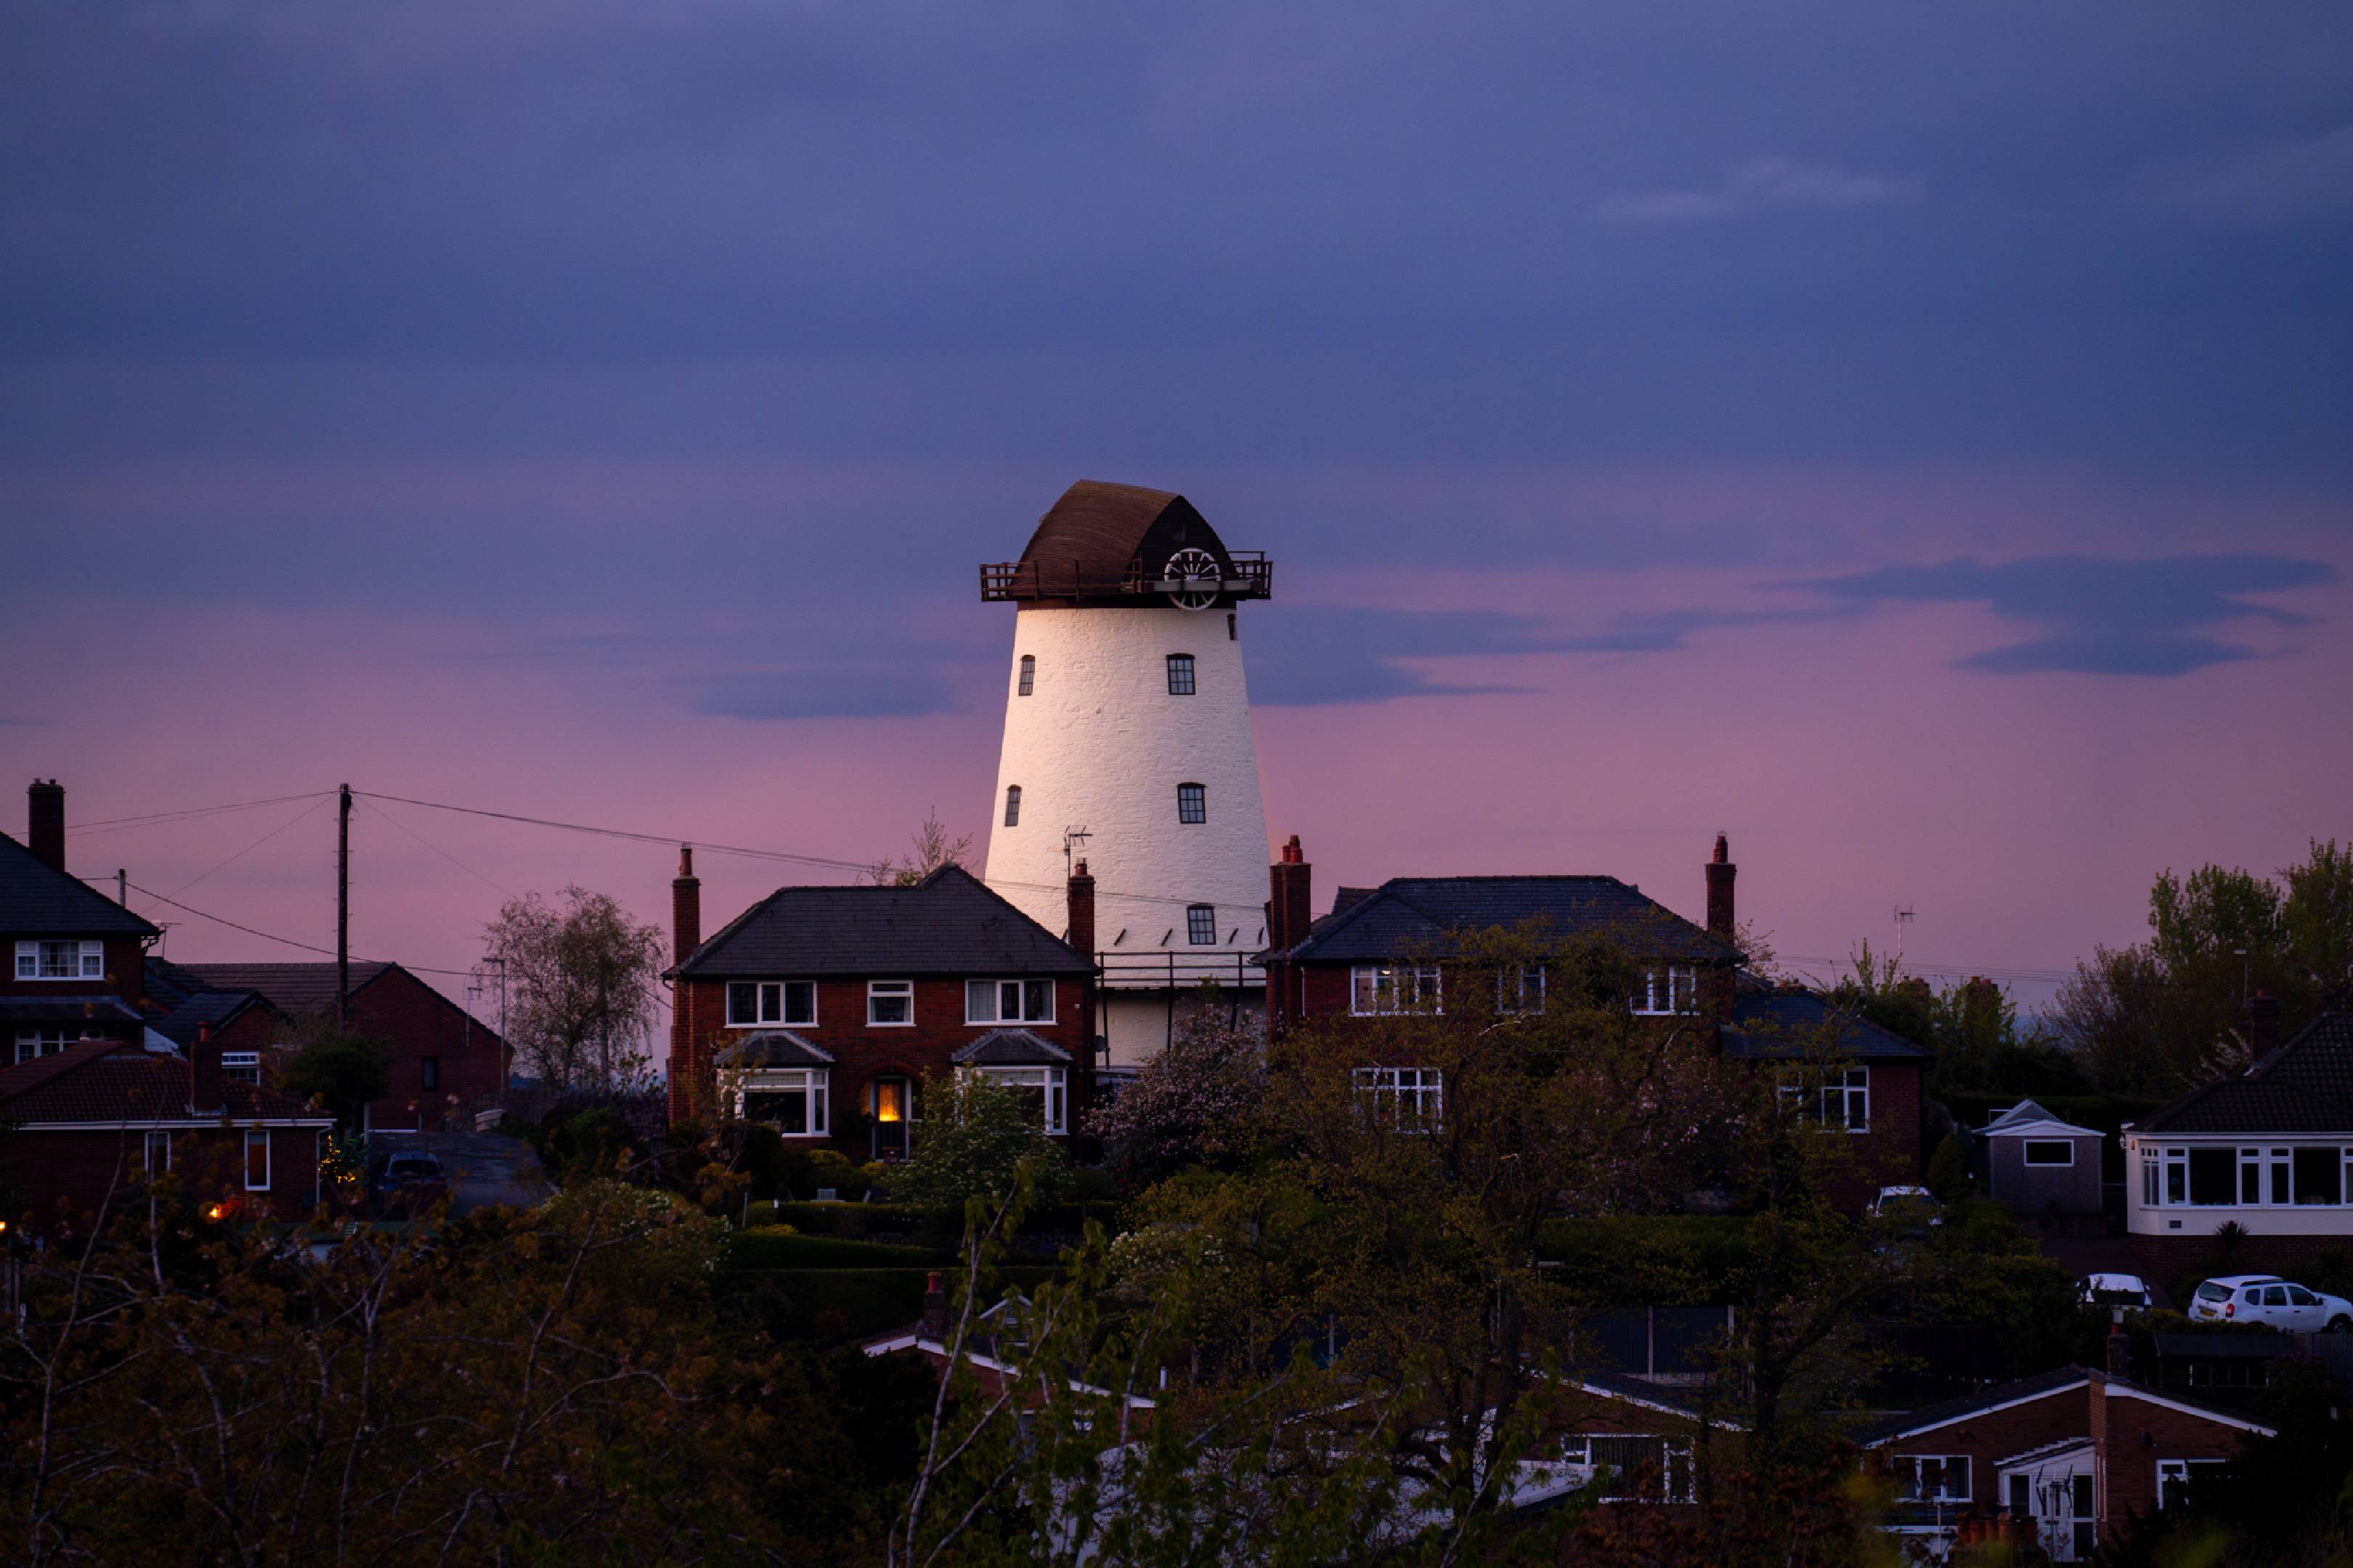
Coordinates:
(1026, 680)
(80, 960)
(778, 992)
(241, 1067)
(1675, 1455)
(40, 1040)
(1669, 993)
(984, 1002)
(2028, 1145)
(1841, 1086)
(1393, 989)
(1193, 937)
(1513, 1007)
(158, 1140)
(886, 990)
(1410, 1099)
(2180, 1473)
(2152, 1178)
(1905, 1466)
(813, 1084)
(252, 1133)
(1053, 1085)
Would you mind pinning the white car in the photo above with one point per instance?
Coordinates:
(2275, 1302)
(1911, 1205)
(2117, 1290)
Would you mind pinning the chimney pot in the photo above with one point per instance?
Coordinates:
(45, 823)
(1721, 921)
(1081, 906)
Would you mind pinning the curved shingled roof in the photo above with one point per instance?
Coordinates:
(1096, 530)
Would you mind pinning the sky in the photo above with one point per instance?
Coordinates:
(1916, 442)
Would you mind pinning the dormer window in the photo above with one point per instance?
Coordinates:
(1012, 805)
(1180, 675)
(1029, 675)
(1192, 802)
(60, 961)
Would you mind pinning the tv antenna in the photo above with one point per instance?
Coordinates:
(1903, 917)
(1073, 840)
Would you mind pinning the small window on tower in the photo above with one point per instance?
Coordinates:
(1012, 805)
(1028, 674)
(1192, 802)
(1180, 675)
(1201, 924)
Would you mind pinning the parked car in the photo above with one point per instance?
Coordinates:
(1913, 1208)
(410, 1181)
(2117, 1290)
(2275, 1302)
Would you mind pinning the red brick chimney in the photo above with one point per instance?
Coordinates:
(45, 822)
(205, 1097)
(936, 1308)
(2120, 1347)
(1721, 923)
(685, 907)
(686, 935)
(1289, 890)
(2263, 1022)
(1082, 911)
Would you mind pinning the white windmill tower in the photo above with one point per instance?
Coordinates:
(1127, 721)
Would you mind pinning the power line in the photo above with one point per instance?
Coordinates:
(500, 886)
(627, 833)
(284, 941)
(149, 819)
(254, 846)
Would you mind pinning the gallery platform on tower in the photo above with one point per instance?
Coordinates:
(1127, 742)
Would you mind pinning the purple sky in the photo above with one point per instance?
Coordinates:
(1920, 447)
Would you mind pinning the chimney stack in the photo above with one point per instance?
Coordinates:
(45, 822)
(1083, 912)
(204, 1096)
(685, 907)
(936, 1309)
(2120, 1347)
(1721, 923)
(1289, 883)
(2263, 1022)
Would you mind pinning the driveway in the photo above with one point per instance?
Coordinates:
(485, 1168)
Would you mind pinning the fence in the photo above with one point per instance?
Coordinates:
(1172, 970)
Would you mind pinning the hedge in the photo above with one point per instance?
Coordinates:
(930, 1227)
(1647, 1260)
(748, 1249)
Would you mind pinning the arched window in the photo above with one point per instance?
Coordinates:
(1012, 805)
(1180, 675)
(1192, 802)
(1029, 675)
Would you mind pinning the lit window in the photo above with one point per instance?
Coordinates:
(1044, 1091)
(2050, 1151)
(751, 1003)
(1192, 802)
(891, 1004)
(1411, 1097)
(159, 1153)
(1180, 675)
(40, 960)
(791, 1100)
(1201, 924)
(1667, 990)
(1012, 805)
(1008, 1001)
(1029, 675)
(256, 1162)
(241, 1067)
(1394, 988)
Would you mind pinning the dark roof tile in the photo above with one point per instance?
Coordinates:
(1415, 914)
(1011, 1047)
(288, 987)
(36, 899)
(108, 1083)
(2305, 1086)
(772, 1048)
(947, 924)
(1790, 1022)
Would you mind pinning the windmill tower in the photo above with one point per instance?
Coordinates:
(1127, 745)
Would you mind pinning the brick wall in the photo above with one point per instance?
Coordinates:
(2162, 1257)
(420, 1023)
(862, 1053)
(66, 1175)
(126, 973)
(2140, 1432)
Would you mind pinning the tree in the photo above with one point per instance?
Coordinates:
(342, 1071)
(1193, 1103)
(585, 978)
(929, 848)
(974, 1140)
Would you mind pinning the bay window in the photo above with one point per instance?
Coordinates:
(1044, 1091)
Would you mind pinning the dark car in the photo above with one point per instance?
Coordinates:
(410, 1181)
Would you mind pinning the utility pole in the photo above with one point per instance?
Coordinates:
(122, 887)
(1903, 919)
(343, 903)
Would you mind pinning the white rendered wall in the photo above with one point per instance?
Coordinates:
(1100, 744)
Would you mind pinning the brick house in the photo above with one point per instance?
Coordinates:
(2269, 1150)
(1383, 950)
(76, 970)
(2063, 1457)
(88, 1123)
(445, 1061)
(828, 1006)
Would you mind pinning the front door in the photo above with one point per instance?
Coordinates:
(891, 1111)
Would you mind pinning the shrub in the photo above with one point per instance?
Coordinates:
(1948, 1169)
(976, 1139)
